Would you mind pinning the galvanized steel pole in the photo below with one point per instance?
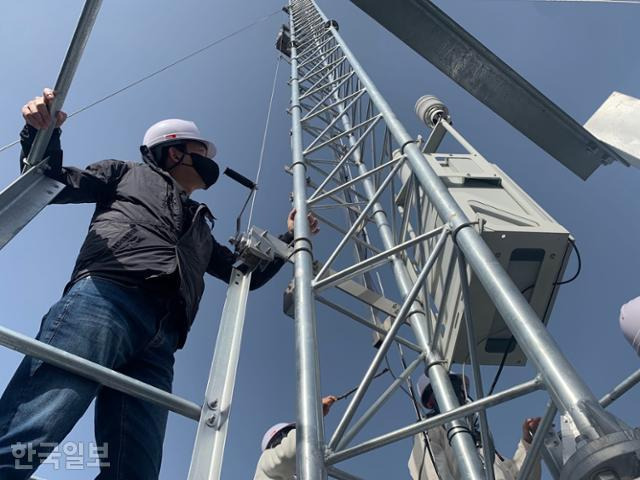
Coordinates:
(67, 72)
(538, 442)
(21, 201)
(375, 406)
(309, 424)
(440, 419)
(211, 437)
(98, 373)
(620, 389)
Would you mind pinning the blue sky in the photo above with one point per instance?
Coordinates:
(576, 54)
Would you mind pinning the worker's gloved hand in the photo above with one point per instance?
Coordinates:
(327, 402)
(313, 222)
(36, 112)
(529, 428)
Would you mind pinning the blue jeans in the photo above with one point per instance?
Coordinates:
(122, 328)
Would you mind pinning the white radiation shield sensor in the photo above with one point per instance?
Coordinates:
(617, 123)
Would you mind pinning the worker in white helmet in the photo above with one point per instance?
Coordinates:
(278, 459)
(131, 299)
(630, 323)
(432, 457)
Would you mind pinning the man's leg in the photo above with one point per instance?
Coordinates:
(132, 430)
(42, 403)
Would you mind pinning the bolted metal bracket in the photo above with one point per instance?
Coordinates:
(615, 456)
(212, 418)
(256, 249)
(569, 436)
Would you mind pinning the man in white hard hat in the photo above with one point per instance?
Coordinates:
(630, 323)
(278, 459)
(132, 297)
(432, 457)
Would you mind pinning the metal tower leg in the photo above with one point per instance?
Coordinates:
(309, 426)
(463, 442)
(206, 462)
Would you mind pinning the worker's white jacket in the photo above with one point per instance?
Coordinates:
(421, 466)
(279, 463)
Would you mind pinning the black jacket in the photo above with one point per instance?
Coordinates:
(145, 231)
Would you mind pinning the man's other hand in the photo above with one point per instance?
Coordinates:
(313, 222)
(529, 428)
(36, 112)
(327, 402)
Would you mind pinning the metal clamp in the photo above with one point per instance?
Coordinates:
(433, 363)
(407, 143)
(455, 231)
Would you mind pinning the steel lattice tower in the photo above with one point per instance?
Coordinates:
(350, 150)
(398, 202)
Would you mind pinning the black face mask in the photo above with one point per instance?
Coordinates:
(204, 166)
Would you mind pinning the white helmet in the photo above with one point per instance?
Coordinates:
(172, 130)
(272, 433)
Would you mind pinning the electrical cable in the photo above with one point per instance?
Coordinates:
(512, 340)
(503, 361)
(575, 247)
(264, 141)
(394, 376)
(162, 69)
(416, 407)
(355, 389)
(412, 393)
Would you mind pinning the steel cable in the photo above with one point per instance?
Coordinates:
(162, 69)
(264, 141)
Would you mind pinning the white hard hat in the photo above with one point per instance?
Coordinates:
(272, 433)
(630, 322)
(173, 129)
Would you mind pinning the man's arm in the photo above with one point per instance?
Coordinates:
(529, 428)
(518, 461)
(91, 185)
(222, 260)
(37, 116)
